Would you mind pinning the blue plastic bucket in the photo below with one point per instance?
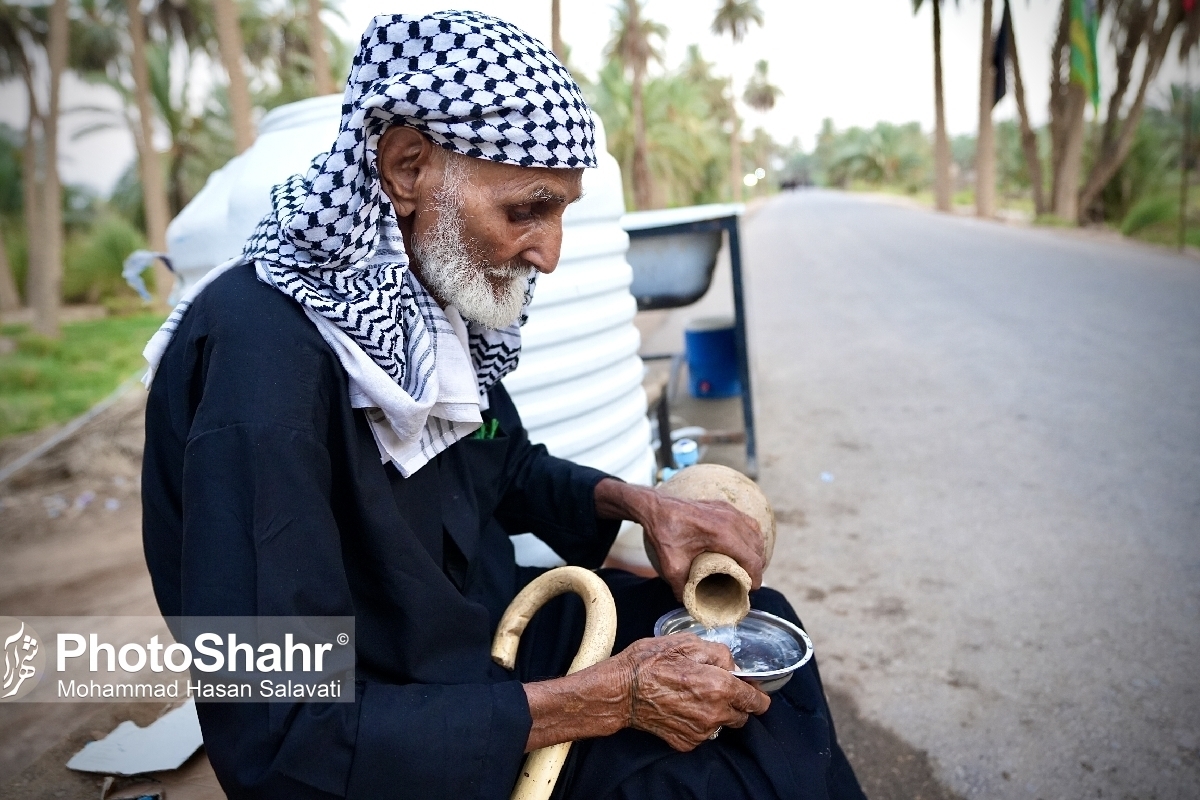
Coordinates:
(712, 358)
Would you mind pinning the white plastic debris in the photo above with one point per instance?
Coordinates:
(55, 505)
(130, 750)
(827, 477)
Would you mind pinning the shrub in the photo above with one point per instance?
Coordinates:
(93, 261)
(1149, 211)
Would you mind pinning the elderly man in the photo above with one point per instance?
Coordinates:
(327, 435)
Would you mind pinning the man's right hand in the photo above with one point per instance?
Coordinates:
(679, 688)
(683, 690)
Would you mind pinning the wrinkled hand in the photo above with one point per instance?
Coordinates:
(679, 688)
(682, 690)
(680, 530)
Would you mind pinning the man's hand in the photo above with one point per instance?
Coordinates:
(683, 690)
(679, 688)
(680, 530)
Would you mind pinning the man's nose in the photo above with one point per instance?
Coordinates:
(543, 251)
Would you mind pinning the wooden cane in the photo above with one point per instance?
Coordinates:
(541, 769)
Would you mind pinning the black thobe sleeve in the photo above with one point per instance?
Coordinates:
(550, 497)
(246, 486)
(259, 538)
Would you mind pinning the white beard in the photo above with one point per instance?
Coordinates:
(451, 272)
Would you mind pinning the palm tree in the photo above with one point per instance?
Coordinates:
(941, 142)
(633, 45)
(735, 18)
(19, 30)
(760, 93)
(154, 189)
(985, 147)
(45, 293)
(316, 50)
(686, 143)
(556, 42)
(1029, 142)
(229, 42)
(23, 31)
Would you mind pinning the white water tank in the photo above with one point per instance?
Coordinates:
(579, 384)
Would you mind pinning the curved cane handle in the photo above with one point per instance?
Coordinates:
(541, 769)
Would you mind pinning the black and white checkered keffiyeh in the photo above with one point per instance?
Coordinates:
(475, 85)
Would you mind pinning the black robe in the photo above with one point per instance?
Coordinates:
(263, 494)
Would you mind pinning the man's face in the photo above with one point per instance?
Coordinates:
(478, 229)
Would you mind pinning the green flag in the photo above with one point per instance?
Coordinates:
(1084, 71)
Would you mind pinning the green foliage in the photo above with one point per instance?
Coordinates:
(898, 155)
(962, 153)
(688, 148)
(17, 248)
(46, 381)
(93, 261)
(1144, 173)
(276, 43)
(1012, 173)
(1150, 211)
(11, 198)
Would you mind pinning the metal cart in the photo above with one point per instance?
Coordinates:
(673, 253)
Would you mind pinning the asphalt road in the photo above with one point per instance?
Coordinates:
(983, 442)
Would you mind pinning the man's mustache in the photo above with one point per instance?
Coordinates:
(509, 270)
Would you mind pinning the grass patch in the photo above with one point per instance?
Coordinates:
(46, 381)
(1167, 233)
(1150, 211)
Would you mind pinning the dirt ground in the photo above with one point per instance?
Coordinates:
(70, 531)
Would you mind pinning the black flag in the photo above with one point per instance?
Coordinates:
(1000, 55)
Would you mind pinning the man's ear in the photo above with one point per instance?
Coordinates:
(405, 160)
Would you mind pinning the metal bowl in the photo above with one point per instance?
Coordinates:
(757, 624)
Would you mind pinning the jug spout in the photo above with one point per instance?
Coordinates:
(717, 591)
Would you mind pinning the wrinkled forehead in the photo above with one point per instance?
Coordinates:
(508, 184)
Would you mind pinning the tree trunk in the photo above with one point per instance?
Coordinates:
(45, 295)
(316, 50)
(642, 195)
(9, 299)
(941, 142)
(1060, 101)
(985, 148)
(735, 155)
(1113, 155)
(229, 42)
(556, 42)
(1068, 171)
(32, 181)
(154, 190)
(1029, 141)
(1184, 165)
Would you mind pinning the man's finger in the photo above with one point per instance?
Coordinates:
(738, 721)
(750, 699)
(711, 653)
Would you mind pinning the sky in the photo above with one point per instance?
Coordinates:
(855, 62)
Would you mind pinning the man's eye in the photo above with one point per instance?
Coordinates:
(520, 213)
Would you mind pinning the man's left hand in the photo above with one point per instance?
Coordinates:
(680, 530)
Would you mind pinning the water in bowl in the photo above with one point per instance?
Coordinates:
(756, 647)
